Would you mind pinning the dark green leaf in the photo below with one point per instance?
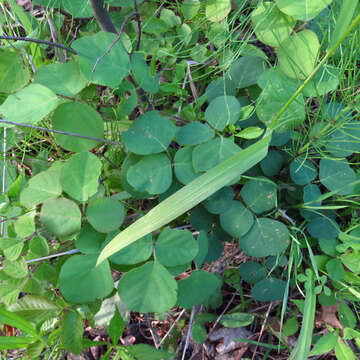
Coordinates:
(269, 289)
(72, 329)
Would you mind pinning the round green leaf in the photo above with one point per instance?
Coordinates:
(323, 227)
(201, 219)
(207, 155)
(81, 281)
(149, 134)
(43, 186)
(270, 24)
(216, 10)
(134, 253)
(266, 237)
(130, 160)
(259, 196)
(337, 175)
(112, 68)
(148, 288)
(269, 289)
(223, 111)
(29, 105)
(11, 248)
(142, 74)
(344, 141)
(78, 8)
(220, 201)
(13, 74)
(194, 133)
(176, 247)
(197, 288)
(152, 174)
(203, 248)
(346, 316)
(39, 246)
(72, 328)
(272, 163)
(236, 320)
(311, 193)
(183, 165)
(88, 122)
(89, 241)
(105, 214)
(324, 81)
(335, 269)
(61, 78)
(237, 220)
(251, 132)
(190, 8)
(61, 217)
(80, 175)
(302, 171)
(223, 86)
(297, 54)
(16, 269)
(252, 272)
(246, 71)
(304, 10)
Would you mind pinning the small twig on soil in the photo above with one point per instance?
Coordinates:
(113, 43)
(222, 314)
(59, 132)
(153, 332)
(189, 332)
(262, 329)
(21, 38)
(172, 326)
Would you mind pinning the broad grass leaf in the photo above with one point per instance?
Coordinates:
(148, 288)
(149, 134)
(142, 74)
(183, 165)
(29, 105)
(88, 122)
(13, 74)
(197, 288)
(72, 328)
(105, 214)
(236, 220)
(175, 247)
(297, 55)
(62, 78)
(246, 71)
(80, 281)
(252, 272)
(151, 174)
(112, 68)
(43, 186)
(194, 133)
(220, 201)
(15, 342)
(343, 351)
(260, 196)
(216, 10)
(207, 155)
(271, 26)
(269, 289)
(304, 10)
(61, 217)
(189, 196)
(266, 237)
(337, 175)
(302, 171)
(80, 176)
(223, 111)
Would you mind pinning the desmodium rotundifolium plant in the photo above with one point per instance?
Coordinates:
(160, 138)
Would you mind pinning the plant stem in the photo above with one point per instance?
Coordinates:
(102, 16)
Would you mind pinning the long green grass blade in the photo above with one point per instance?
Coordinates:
(189, 196)
(347, 12)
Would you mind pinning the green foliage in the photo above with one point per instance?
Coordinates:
(191, 128)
